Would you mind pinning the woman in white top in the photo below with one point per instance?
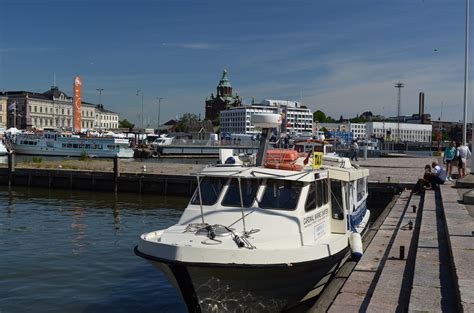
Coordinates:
(463, 153)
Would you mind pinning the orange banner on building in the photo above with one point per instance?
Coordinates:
(77, 103)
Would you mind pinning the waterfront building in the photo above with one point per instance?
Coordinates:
(332, 127)
(54, 109)
(223, 100)
(105, 119)
(358, 130)
(408, 132)
(3, 111)
(236, 120)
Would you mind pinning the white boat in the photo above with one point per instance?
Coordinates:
(262, 237)
(3, 149)
(63, 144)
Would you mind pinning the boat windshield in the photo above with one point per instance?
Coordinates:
(211, 188)
(281, 194)
(249, 192)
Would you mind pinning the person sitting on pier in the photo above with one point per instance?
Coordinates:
(423, 182)
(437, 176)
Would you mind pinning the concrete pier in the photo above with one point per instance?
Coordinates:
(426, 267)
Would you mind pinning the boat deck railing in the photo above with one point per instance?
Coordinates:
(220, 143)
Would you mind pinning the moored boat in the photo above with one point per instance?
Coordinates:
(260, 237)
(64, 144)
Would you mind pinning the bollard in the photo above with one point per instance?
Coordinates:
(11, 167)
(388, 178)
(365, 152)
(414, 208)
(402, 252)
(410, 225)
(116, 172)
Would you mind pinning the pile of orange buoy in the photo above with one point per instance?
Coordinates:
(283, 159)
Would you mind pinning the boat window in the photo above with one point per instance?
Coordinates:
(211, 188)
(281, 194)
(74, 145)
(336, 200)
(311, 199)
(69, 145)
(249, 192)
(360, 189)
(325, 187)
(317, 195)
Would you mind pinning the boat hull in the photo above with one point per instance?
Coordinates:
(249, 288)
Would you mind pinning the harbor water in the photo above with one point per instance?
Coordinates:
(72, 251)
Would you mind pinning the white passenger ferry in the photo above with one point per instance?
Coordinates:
(64, 144)
(264, 235)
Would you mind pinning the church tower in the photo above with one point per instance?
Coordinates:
(223, 99)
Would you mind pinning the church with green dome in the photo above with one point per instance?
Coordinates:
(223, 100)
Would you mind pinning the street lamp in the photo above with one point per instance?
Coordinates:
(466, 56)
(100, 106)
(159, 112)
(139, 91)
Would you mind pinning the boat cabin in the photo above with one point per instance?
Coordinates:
(316, 203)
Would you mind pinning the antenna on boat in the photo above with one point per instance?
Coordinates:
(265, 121)
(200, 197)
(242, 204)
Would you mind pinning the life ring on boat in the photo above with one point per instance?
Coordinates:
(284, 166)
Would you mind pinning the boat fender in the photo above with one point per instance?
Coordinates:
(355, 241)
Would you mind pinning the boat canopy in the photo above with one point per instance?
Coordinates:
(305, 175)
(346, 174)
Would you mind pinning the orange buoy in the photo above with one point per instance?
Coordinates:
(284, 166)
(281, 155)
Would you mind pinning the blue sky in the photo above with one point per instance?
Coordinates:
(342, 57)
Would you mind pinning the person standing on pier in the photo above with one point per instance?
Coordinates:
(354, 150)
(463, 153)
(448, 159)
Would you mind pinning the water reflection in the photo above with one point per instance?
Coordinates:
(116, 213)
(80, 229)
(72, 251)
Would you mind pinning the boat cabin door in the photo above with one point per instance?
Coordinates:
(338, 206)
